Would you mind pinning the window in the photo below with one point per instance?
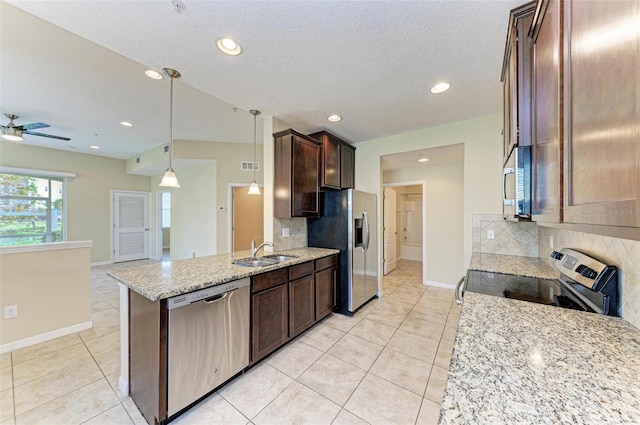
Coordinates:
(166, 210)
(31, 209)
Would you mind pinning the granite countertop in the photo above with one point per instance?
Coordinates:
(527, 363)
(513, 264)
(160, 280)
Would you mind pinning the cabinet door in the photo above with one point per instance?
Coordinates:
(547, 128)
(325, 292)
(602, 112)
(301, 304)
(269, 321)
(305, 167)
(330, 163)
(347, 166)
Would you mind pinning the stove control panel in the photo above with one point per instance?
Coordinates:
(583, 269)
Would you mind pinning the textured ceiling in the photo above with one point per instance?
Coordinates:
(371, 62)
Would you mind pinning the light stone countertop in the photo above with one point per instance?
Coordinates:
(160, 280)
(526, 363)
(513, 264)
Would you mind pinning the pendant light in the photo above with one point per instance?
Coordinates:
(254, 189)
(169, 178)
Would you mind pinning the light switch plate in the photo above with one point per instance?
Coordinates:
(285, 232)
(491, 234)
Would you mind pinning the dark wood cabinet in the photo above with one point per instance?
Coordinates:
(301, 305)
(546, 203)
(602, 112)
(296, 175)
(337, 162)
(517, 80)
(325, 285)
(347, 166)
(269, 313)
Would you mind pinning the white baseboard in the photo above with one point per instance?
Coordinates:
(124, 386)
(439, 284)
(101, 263)
(37, 339)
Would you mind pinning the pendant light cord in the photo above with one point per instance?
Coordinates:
(254, 148)
(171, 127)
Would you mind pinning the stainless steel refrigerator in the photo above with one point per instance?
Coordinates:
(349, 223)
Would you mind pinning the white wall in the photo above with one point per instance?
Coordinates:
(482, 166)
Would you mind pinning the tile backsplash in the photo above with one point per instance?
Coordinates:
(623, 253)
(510, 238)
(297, 233)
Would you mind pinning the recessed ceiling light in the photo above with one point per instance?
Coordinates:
(126, 123)
(334, 118)
(423, 160)
(94, 147)
(440, 87)
(153, 74)
(229, 46)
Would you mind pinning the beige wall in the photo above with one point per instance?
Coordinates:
(193, 212)
(51, 288)
(88, 194)
(482, 166)
(444, 211)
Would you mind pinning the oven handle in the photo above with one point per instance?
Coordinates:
(459, 291)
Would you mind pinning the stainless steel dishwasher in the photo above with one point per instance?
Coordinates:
(208, 341)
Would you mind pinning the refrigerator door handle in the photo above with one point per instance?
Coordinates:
(365, 219)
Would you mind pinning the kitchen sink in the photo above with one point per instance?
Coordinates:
(280, 258)
(255, 262)
(267, 260)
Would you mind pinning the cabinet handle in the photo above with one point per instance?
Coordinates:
(459, 291)
(507, 170)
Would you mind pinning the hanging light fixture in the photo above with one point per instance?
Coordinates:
(169, 178)
(254, 189)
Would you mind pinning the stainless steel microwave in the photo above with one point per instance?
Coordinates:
(516, 185)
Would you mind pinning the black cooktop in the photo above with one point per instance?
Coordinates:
(541, 291)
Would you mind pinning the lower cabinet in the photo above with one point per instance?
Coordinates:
(286, 302)
(302, 305)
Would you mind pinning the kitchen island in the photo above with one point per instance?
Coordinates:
(189, 326)
(527, 363)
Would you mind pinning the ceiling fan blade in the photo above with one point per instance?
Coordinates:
(34, 126)
(51, 136)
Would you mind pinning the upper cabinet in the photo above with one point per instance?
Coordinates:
(337, 162)
(516, 79)
(586, 112)
(546, 202)
(602, 113)
(296, 171)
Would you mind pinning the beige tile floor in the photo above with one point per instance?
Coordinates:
(385, 365)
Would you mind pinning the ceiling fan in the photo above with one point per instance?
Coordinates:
(14, 132)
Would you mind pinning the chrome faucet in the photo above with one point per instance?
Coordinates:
(255, 250)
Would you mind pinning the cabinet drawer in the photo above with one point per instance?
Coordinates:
(326, 262)
(269, 280)
(300, 270)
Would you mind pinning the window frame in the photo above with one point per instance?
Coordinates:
(49, 175)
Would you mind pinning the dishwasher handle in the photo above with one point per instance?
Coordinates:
(459, 293)
(216, 298)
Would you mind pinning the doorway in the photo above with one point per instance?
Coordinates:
(406, 212)
(247, 220)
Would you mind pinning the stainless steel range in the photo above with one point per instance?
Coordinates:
(585, 283)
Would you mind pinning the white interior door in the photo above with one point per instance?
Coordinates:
(130, 226)
(389, 230)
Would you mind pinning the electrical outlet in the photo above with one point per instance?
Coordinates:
(551, 241)
(10, 311)
(285, 232)
(491, 234)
